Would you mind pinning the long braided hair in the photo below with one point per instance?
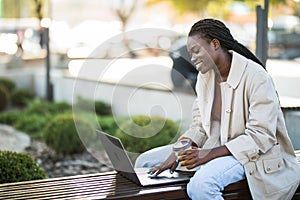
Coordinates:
(215, 29)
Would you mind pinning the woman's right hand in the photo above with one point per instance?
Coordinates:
(170, 163)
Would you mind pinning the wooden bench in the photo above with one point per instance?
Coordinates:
(109, 185)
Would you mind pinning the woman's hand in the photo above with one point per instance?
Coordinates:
(194, 157)
(170, 163)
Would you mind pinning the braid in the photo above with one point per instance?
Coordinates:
(215, 29)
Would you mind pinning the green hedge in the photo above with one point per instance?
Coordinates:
(45, 108)
(10, 117)
(142, 133)
(8, 84)
(20, 97)
(16, 167)
(32, 124)
(35, 116)
(61, 134)
(110, 124)
(100, 107)
(4, 98)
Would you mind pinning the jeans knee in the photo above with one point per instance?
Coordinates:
(204, 189)
(141, 161)
(153, 157)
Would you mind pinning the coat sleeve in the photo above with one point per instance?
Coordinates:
(196, 132)
(260, 126)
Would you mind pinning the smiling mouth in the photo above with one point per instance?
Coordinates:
(198, 65)
(199, 62)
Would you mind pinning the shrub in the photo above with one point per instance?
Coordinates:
(110, 124)
(59, 107)
(15, 167)
(32, 124)
(61, 134)
(4, 98)
(143, 133)
(10, 117)
(46, 108)
(101, 108)
(8, 84)
(20, 97)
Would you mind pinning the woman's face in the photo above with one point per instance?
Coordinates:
(202, 53)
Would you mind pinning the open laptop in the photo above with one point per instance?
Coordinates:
(122, 164)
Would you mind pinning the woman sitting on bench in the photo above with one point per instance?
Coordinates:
(238, 129)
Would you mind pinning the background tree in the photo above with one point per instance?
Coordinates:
(23, 8)
(218, 8)
(40, 15)
(124, 10)
(38, 8)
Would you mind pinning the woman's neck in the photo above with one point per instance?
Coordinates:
(224, 67)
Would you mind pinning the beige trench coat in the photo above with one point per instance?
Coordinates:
(252, 128)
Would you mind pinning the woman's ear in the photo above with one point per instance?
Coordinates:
(215, 43)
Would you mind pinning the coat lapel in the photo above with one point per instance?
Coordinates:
(238, 66)
(205, 93)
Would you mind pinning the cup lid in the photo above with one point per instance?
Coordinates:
(182, 145)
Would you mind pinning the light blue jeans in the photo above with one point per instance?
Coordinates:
(208, 181)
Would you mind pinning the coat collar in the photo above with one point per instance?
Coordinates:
(238, 66)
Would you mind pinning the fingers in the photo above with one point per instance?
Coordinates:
(174, 166)
(155, 171)
(169, 163)
(189, 163)
(186, 152)
(189, 158)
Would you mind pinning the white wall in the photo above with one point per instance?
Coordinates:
(126, 100)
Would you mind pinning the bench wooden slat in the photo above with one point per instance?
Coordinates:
(49, 182)
(82, 187)
(110, 185)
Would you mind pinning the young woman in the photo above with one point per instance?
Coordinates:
(238, 129)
